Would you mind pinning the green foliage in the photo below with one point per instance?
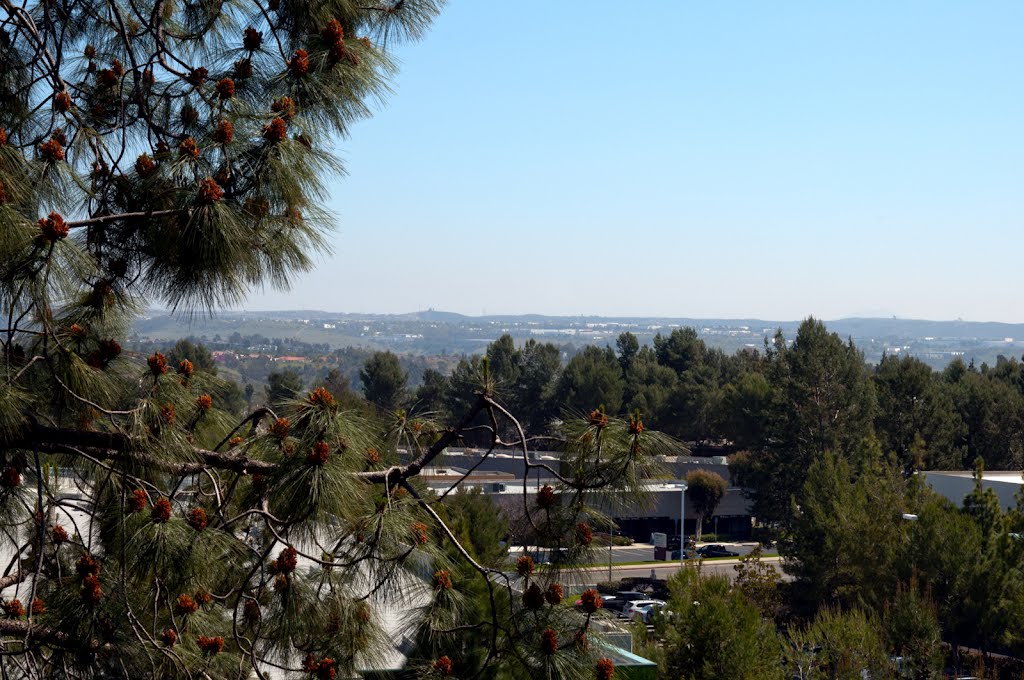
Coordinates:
(915, 418)
(913, 634)
(847, 534)
(990, 405)
(705, 489)
(982, 504)
(759, 582)
(681, 351)
(480, 526)
(432, 394)
(282, 386)
(628, 346)
(713, 631)
(539, 367)
(197, 354)
(591, 377)
(384, 381)
(822, 402)
(335, 382)
(745, 404)
(944, 545)
(649, 386)
(838, 645)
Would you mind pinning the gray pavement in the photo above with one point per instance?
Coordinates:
(644, 552)
(624, 561)
(663, 570)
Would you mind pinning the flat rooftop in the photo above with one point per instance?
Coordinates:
(1011, 476)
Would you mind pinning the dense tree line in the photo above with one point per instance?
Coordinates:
(827, 446)
(887, 577)
(786, 403)
(783, 405)
(780, 408)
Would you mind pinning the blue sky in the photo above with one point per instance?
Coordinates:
(726, 159)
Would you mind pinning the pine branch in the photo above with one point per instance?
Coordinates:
(11, 579)
(103, 219)
(400, 473)
(34, 633)
(119, 447)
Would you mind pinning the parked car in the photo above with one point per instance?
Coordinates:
(643, 610)
(690, 554)
(672, 543)
(716, 551)
(623, 598)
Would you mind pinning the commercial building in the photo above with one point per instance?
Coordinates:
(502, 476)
(956, 484)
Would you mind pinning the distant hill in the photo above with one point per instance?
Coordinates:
(980, 330)
(856, 327)
(439, 333)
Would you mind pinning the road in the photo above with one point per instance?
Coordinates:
(644, 552)
(624, 559)
(663, 570)
(576, 579)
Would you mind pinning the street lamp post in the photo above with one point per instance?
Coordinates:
(682, 525)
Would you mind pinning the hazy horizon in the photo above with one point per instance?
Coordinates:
(596, 315)
(716, 161)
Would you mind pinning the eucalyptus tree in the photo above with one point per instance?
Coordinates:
(178, 153)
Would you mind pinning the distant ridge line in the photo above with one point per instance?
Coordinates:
(861, 327)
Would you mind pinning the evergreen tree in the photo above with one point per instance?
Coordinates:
(915, 418)
(591, 378)
(822, 401)
(913, 633)
(199, 356)
(180, 154)
(839, 645)
(649, 387)
(432, 393)
(760, 583)
(848, 532)
(282, 386)
(539, 366)
(745, 407)
(384, 381)
(714, 632)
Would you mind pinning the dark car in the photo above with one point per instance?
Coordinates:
(716, 551)
(673, 542)
(690, 554)
(622, 599)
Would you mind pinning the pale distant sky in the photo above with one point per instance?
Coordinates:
(701, 159)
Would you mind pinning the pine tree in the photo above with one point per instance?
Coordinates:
(178, 153)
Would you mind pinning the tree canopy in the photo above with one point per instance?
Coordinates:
(706, 490)
(180, 154)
